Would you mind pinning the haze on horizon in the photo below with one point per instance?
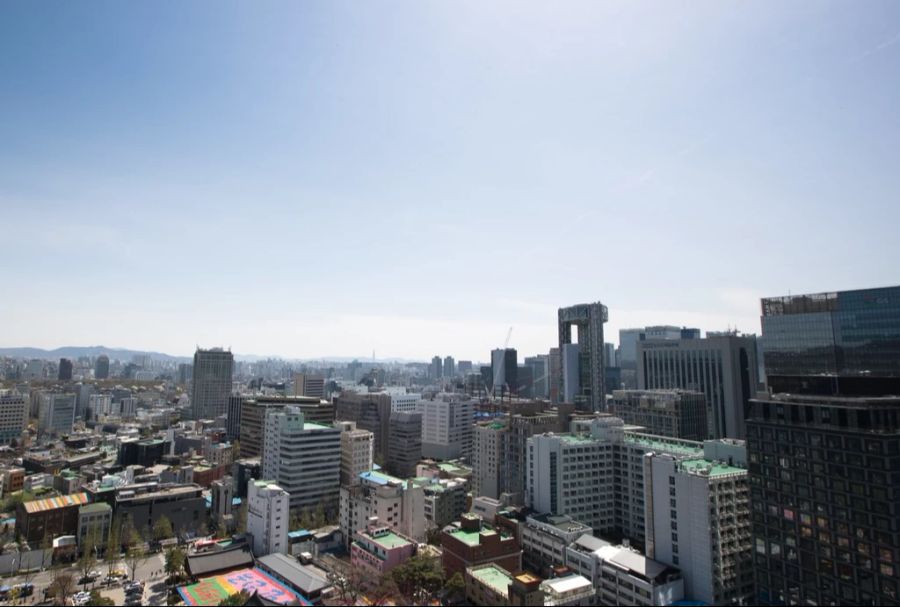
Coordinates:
(330, 178)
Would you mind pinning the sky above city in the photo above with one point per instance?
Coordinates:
(309, 179)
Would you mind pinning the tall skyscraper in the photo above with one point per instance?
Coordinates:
(540, 375)
(405, 443)
(65, 369)
(437, 368)
(504, 371)
(101, 367)
(823, 454)
(722, 366)
(211, 385)
(555, 375)
(449, 366)
(57, 413)
(235, 411)
(588, 319)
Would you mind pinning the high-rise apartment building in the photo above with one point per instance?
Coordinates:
(57, 412)
(404, 443)
(306, 384)
(722, 366)
(211, 384)
(13, 417)
(101, 367)
(447, 426)
(504, 371)
(65, 369)
(303, 458)
(357, 449)
(268, 517)
(487, 457)
(674, 413)
(588, 319)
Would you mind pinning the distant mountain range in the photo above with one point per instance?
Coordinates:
(75, 352)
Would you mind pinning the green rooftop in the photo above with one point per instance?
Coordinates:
(694, 466)
(494, 578)
(660, 444)
(95, 508)
(390, 540)
(467, 537)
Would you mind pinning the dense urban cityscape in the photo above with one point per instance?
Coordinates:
(676, 468)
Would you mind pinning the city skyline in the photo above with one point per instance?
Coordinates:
(331, 179)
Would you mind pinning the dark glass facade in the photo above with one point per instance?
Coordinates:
(844, 343)
(825, 499)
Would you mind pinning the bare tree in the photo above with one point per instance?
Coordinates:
(62, 586)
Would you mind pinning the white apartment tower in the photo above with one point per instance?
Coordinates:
(357, 451)
(268, 512)
(303, 458)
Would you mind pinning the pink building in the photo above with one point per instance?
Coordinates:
(378, 550)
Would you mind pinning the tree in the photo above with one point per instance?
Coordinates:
(319, 519)
(238, 599)
(236, 450)
(455, 587)
(382, 593)
(62, 586)
(175, 559)
(88, 556)
(136, 555)
(113, 547)
(100, 601)
(417, 573)
(348, 584)
(162, 529)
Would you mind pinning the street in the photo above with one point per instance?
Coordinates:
(150, 572)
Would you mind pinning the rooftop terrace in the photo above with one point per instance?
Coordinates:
(713, 469)
(493, 577)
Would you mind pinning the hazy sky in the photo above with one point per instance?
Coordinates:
(324, 178)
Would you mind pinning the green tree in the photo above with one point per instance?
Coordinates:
(238, 599)
(113, 546)
(136, 555)
(318, 518)
(175, 559)
(418, 573)
(455, 588)
(294, 522)
(162, 529)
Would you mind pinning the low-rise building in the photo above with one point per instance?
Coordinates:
(545, 538)
(471, 542)
(50, 517)
(572, 589)
(94, 521)
(183, 505)
(396, 503)
(445, 501)
(304, 578)
(377, 550)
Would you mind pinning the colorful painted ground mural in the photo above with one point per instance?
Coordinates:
(212, 590)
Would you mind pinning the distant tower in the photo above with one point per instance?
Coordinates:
(449, 366)
(436, 368)
(211, 385)
(65, 369)
(589, 318)
(101, 367)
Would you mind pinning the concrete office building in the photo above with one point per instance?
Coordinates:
(94, 522)
(404, 444)
(303, 458)
(211, 384)
(674, 413)
(13, 417)
(447, 429)
(370, 411)
(397, 503)
(404, 401)
(254, 411)
(57, 413)
(470, 542)
(445, 500)
(222, 494)
(306, 384)
(698, 519)
(143, 506)
(522, 425)
(545, 538)
(268, 517)
(722, 366)
(589, 319)
(487, 456)
(235, 411)
(623, 576)
(357, 449)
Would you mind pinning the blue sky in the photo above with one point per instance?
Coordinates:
(328, 178)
